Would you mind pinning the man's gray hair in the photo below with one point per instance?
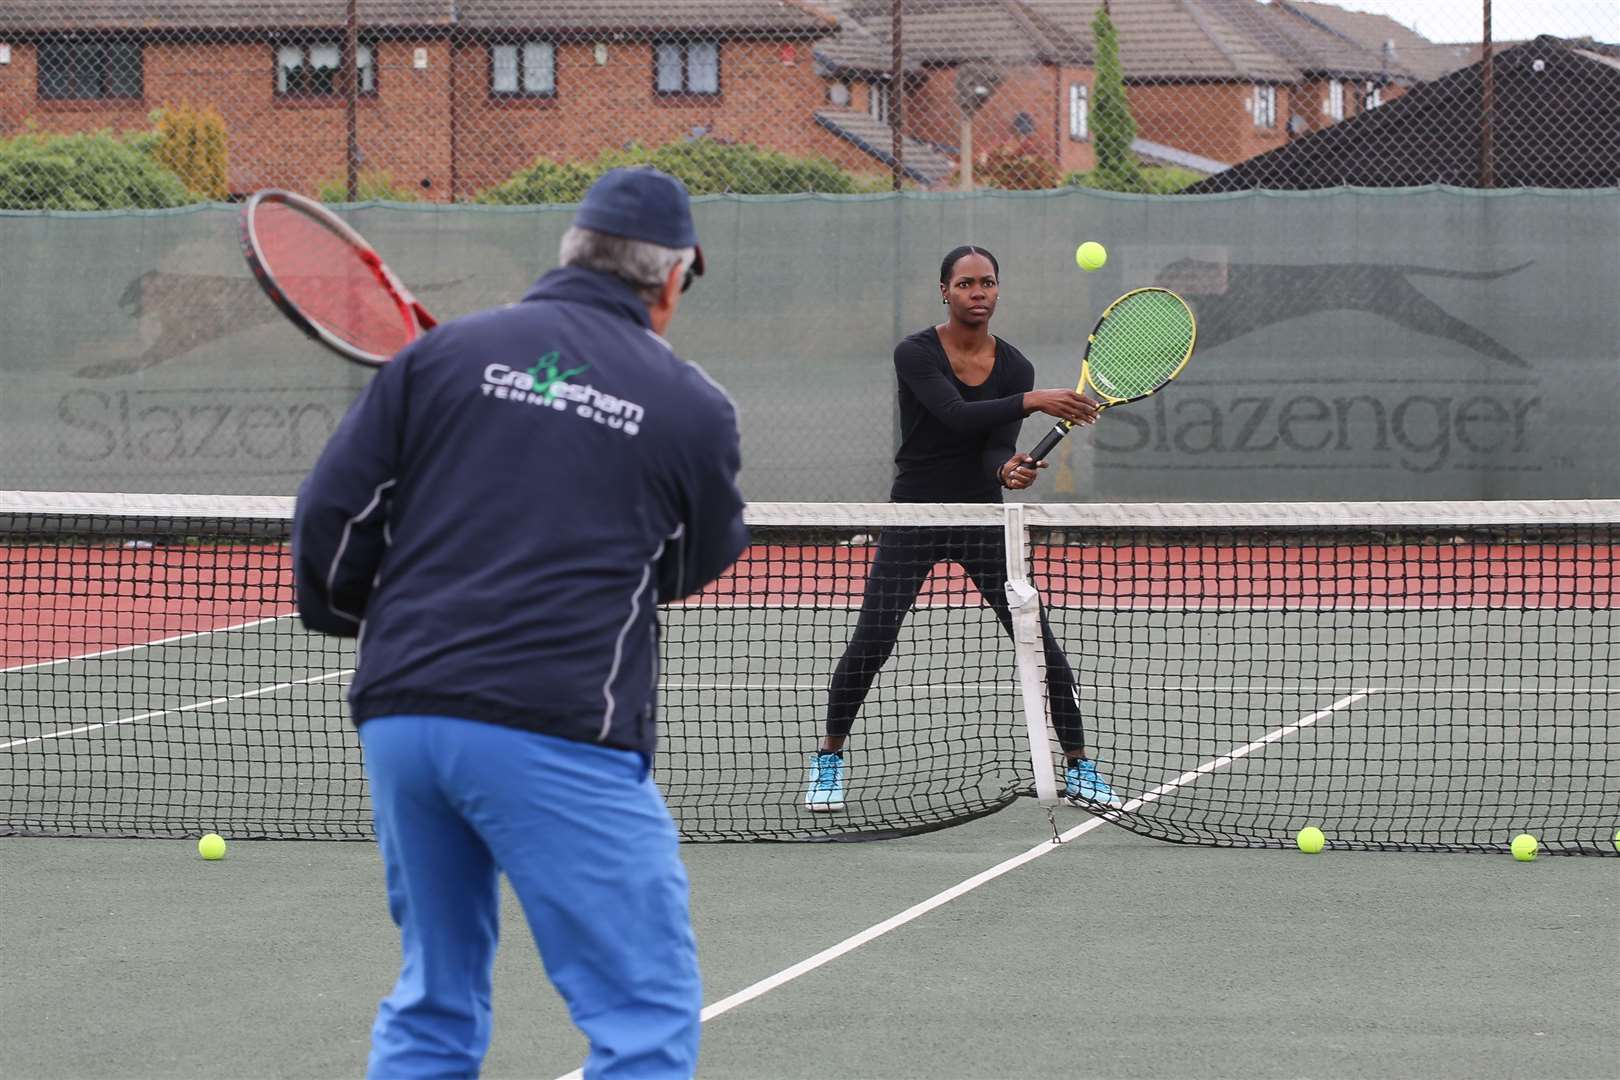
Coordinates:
(645, 267)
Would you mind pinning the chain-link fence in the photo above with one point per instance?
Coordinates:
(518, 101)
(1353, 344)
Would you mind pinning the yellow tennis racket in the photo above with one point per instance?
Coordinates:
(1140, 343)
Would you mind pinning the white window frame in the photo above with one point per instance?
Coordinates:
(1375, 96)
(877, 100)
(1079, 112)
(523, 57)
(1334, 106)
(1264, 106)
(683, 50)
(365, 60)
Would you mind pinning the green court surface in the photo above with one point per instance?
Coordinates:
(1108, 956)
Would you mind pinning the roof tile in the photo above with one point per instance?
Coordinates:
(738, 16)
(1409, 50)
(950, 32)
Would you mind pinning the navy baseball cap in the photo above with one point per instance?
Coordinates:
(641, 204)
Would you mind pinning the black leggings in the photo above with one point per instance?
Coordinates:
(905, 557)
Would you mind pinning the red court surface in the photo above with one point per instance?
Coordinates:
(71, 601)
(1331, 577)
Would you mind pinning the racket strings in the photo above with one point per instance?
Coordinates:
(331, 281)
(1140, 345)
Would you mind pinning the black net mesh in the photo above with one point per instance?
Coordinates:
(1438, 678)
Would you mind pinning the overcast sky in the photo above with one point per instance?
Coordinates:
(1511, 20)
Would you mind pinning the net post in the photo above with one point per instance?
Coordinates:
(1025, 605)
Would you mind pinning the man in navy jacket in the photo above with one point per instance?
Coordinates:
(496, 519)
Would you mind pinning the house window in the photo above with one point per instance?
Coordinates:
(527, 70)
(79, 70)
(687, 67)
(312, 70)
(1079, 112)
(1265, 106)
(1374, 96)
(1335, 100)
(877, 100)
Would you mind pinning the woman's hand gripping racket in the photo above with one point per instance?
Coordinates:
(1140, 343)
(328, 280)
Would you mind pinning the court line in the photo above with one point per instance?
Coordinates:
(193, 707)
(1164, 605)
(916, 911)
(146, 644)
(928, 689)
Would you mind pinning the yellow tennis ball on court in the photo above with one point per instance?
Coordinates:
(1310, 840)
(1090, 255)
(1524, 847)
(1617, 839)
(211, 847)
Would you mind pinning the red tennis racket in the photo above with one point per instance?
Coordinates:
(323, 276)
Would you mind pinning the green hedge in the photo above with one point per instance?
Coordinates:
(706, 167)
(1156, 179)
(97, 171)
(372, 184)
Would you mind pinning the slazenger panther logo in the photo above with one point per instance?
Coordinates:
(546, 384)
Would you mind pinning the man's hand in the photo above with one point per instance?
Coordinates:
(1019, 471)
(1063, 404)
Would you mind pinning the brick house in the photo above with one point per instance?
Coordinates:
(1555, 114)
(993, 73)
(1227, 79)
(454, 94)
(1404, 48)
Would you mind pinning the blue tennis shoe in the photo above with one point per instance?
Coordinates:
(826, 790)
(1082, 783)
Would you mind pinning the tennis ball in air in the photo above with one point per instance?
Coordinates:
(211, 847)
(1090, 255)
(1524, 847)
(1310, 840)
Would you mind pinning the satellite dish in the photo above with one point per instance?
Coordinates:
(974, 86)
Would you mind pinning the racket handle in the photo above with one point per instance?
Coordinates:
(1053, 437)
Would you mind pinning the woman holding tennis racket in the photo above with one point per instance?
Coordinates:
(964, 394)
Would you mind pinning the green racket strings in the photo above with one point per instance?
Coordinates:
(1141, 344)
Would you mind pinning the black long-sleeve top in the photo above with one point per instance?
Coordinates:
(953, 437)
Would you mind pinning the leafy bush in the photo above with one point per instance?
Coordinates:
(1015, 167)
(371, 184)
(191, 143)
(705, 166)
(86, 171)
(1155, 179)
(544, 181)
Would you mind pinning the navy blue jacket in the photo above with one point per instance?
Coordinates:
(504, 505)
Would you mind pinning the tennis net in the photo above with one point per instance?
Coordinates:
(1406, 676)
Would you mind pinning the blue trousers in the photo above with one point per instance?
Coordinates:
(588, 845)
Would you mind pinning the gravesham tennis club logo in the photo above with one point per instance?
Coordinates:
(546, 384)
